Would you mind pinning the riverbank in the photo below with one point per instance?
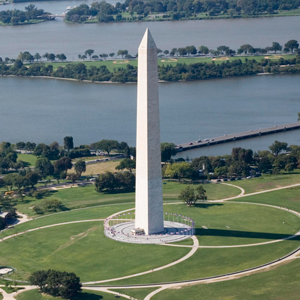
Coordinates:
(24, 23)
(133, 82)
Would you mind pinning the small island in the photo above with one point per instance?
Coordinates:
(31, 15)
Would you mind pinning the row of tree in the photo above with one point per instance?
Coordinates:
(109, 182)
(176, 9)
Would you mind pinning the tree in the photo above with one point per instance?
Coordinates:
(20, 145)
(61, 57)
(200, 193)
(80, 167)
(105, 181)
(278, 147)
(73, 177)
(44, 167)
(126, 163)
(89, 52)
(291, 45)
(32, 178)
(68, 143)
(276, 47)
(63, 165)
(37, 56)
(106, 145)
(188, 195)
(56, 283)
(203, 50)
(111, 55)
(179, 170)
(167, 151)
(122, 53)
(51, 57)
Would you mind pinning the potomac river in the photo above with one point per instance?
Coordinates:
(46, 110)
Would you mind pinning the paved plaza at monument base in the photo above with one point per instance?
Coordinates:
(173, 232)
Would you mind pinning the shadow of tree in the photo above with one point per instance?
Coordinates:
(87, 296)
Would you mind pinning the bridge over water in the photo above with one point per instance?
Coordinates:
(237, 136)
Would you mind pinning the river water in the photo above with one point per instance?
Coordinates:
(46, 110)
(73, 39)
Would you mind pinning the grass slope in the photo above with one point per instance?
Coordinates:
(275, 284)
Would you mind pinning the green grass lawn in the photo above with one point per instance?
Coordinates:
(267, 182)
(138, 294)
(30, 159)
(89, 213)
(84, 295)
(231, 224)
(83, 249)
(78, 197)
(210, 262)
(275, 284)
(289, 198)
(1, 296)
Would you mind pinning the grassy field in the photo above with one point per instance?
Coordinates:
(100, 212)
(82, 248)
(113, 65)
(210, 262)
(231, 224)
(275, 284)
(100, 168)
(267, 182)
(1, 296)
(85, 295)
(78, 197)
(30, 159)
(289, 198)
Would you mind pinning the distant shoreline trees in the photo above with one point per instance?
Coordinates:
(176, 10)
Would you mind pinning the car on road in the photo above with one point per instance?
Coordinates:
(199, 141)
(190, 143)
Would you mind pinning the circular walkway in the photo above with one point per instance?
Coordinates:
(174, 232)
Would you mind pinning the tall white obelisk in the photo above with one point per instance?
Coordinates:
(148, 196)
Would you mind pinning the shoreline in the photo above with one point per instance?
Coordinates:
(194, 19)
(132, 82)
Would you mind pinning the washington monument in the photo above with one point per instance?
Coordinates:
(149, 214)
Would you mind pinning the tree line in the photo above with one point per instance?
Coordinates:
(18, 17)
(241, 163)
(176, 9)
(178, 72)
(290, 46)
